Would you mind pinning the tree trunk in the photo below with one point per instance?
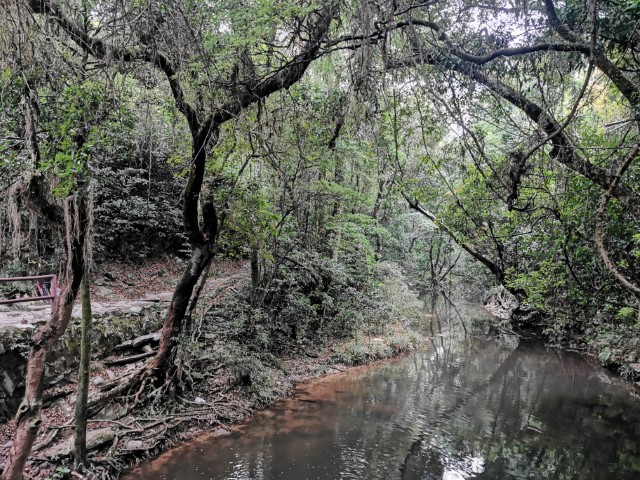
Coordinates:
(82, 395)
(338, 175)
(201, 228)
(255, 272)
(28, 416)
(163, 363)
(376, 214)
(255, 267)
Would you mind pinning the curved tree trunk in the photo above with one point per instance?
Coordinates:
(163, 363)
(201, 228)
(602, 250)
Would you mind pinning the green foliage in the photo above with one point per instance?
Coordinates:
(627, 314)
(74, 131)
(306, 308)
(548, 276)
(60, 473)
(312, 183)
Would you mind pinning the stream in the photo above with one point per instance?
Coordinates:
(480, 406)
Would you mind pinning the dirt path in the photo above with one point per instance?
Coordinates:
(25, 315)
(123, 290)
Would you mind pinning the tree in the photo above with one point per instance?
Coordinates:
(253, 76)
(465, 57)
(82, 394)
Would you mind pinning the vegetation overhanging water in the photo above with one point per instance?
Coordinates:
(482, 406)
(350, 153)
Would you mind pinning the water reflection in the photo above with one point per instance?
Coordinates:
(481, 407)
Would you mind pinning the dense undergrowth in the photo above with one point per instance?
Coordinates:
(312, 308)
(611, 335)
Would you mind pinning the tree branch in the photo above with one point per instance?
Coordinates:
(283, 78)
(493, 268)
(610, 266)
(628, 88)
(563, 150)
(100, 50)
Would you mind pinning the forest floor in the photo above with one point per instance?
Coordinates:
(223, 385)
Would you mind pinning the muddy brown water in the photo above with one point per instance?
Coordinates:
(480, 407)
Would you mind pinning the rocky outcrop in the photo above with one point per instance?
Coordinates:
(110, 329)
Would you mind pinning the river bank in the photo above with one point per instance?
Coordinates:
(228, 373)
(613, 343)
(481, 405)
(311, 389)
(118, 438)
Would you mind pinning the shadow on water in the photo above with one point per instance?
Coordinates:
(466, 406)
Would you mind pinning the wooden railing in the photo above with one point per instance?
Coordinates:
(40, 280)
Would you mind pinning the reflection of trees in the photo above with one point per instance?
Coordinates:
(527, 414)
(413, 462)
(486, 409)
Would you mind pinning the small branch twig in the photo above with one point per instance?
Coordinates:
(600, 214)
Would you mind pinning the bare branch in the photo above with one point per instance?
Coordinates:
(610, 266)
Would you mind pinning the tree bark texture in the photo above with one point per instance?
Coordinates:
(82, 394)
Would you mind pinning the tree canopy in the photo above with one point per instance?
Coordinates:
(487, 147)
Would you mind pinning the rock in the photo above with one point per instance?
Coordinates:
(97, 381)
(134, 445)
(110, 329)
(150, 338)
(200, 400)
(95, 439)
(221, 432)
(104, 291)
(112, 411)
(159, 297)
